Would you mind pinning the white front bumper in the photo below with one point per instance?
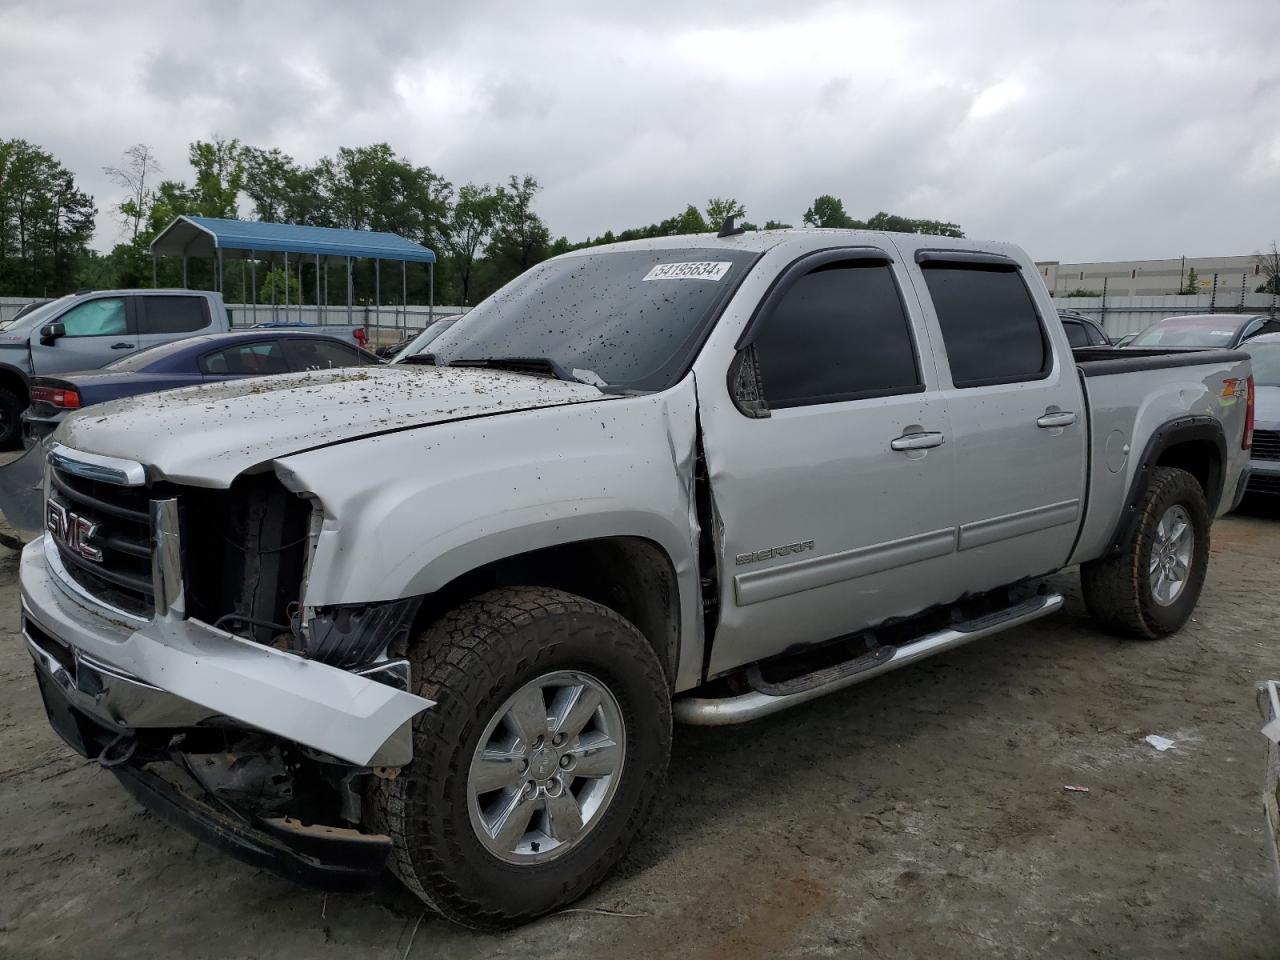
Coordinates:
(174, 673)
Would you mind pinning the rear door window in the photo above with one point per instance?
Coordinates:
(171, 314)
(839, 332)
(990, 327)
(245, 359)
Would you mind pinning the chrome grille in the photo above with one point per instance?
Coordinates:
(103, 535)
(1266, 445)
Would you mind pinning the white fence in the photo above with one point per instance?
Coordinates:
(1122, 315)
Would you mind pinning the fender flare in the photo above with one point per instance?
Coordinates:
(1181, 430)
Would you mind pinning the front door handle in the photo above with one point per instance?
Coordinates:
(917, 441)
(1063, 418)
(122, 346)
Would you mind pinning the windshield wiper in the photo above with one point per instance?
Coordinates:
(428, 358)
(537, 366)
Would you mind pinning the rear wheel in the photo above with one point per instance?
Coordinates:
(539, 762)
(1151, 587)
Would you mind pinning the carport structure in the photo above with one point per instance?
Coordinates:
(218, 239)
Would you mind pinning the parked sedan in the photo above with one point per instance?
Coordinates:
(1205, 330)
(207, 359)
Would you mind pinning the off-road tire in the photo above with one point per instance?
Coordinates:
(1117, 589)
(11, 408)
(470, 661)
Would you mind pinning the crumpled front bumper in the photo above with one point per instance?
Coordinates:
(169, 673)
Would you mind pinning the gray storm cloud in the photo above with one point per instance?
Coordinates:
(1083, 130)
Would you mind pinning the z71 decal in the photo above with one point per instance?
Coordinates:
(800, 546)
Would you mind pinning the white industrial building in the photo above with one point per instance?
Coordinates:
(1150, 278)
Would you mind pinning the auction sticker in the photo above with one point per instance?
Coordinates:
(691, 270)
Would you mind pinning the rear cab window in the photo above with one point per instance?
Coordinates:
(1077, 333)
(991, 330)
(171, 314)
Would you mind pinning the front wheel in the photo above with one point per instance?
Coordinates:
(539, 762)
(1150, 588)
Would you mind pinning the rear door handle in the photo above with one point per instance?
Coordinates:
(1064, 418)
(122, 346)
(917, 441)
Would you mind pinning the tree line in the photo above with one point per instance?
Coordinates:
(483, 234)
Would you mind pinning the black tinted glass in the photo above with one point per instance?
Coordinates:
(989, 325)
(838, 333)
(171, 314)
(306, 354)
(1077, 335)
(248, 359)
(632, 318)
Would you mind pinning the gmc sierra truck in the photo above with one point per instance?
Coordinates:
(439, 616)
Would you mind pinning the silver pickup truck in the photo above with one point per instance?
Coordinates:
(439, 616)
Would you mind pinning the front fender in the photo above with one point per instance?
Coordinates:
(404, 514)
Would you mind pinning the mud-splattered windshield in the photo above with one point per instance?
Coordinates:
(630, 320)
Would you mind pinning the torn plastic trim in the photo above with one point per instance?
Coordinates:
(350, 636)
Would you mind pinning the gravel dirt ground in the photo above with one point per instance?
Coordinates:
(922, 814)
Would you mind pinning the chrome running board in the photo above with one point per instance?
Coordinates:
(760, 703)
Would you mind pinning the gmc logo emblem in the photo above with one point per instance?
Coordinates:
(72, 531)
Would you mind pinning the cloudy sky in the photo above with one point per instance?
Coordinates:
(1083, 130)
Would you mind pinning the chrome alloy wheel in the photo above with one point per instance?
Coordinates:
(1171, 555)
(546, 767)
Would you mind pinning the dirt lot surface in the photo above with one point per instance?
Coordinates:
(922, 814)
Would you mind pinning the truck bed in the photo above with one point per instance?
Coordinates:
(1160, 387)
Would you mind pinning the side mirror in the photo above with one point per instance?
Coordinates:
(51, 332)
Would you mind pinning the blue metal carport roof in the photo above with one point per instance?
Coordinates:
(190, 236)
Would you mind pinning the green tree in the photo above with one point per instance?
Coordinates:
(520, 238)
(219, 167)
(719, 208)
(895, 224)
(282, 191)
(276, 283)
(776, 225)
(690, 221)
(1192, 283)
(828, 211)
(471, 224)
(46, 222)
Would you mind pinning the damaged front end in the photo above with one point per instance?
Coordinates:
(170, 642)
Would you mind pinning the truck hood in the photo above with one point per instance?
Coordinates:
(208, 435)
